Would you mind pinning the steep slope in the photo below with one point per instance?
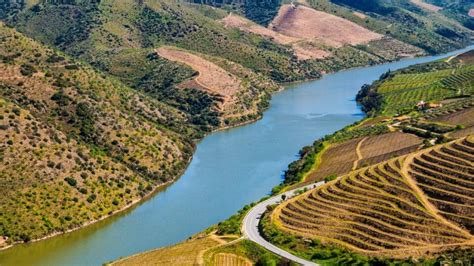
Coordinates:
(303, 49)
(434, 32)
(231, 84)
(409, 206)
(398, 92)
(77, 146)
(303, 22)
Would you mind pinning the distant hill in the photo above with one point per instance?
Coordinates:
(261, 12)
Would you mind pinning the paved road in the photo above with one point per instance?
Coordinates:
(252, 219)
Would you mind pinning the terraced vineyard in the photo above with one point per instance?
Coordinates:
(408, 206)
(341, 158)
(231, 260)
(337, 159)
(403, 91)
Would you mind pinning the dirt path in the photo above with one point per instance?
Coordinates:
(422, 197)
(222, 242)
(359, 154)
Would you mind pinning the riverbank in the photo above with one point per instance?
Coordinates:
(226, 166)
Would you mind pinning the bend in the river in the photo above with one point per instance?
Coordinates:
(231, 168)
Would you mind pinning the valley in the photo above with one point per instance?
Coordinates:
(104, 103)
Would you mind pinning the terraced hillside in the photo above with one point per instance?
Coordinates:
(77, 146)
(408, 206)
(400, 91)
(340, 158)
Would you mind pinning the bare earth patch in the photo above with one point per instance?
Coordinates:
(307, 23)
(235, 21)
(464, 117)
(359, 15)
(236, 89)
(426, 6)
(336, 160)
(211, 77)
(379, 148)
(304, 50)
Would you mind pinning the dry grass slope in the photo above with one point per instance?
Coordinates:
(407, 206)
(303, 48)
(242, 94)
(380, 148)
(307, 23)
(336, 160)
(211, 77)
(186, 253)
(426, 6)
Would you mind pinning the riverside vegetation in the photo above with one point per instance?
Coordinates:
(95, 117)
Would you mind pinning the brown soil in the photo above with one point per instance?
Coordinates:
(303, 49)
(307, 23)
(336, 160)
(464, 117)
(426, 6)
(360, 15)
(463, 132)
(211, 77)
(309, 50)
(235, 21)
(382, 147)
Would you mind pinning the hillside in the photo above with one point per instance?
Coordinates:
(206, 249)
(409, 206)
(77, 146)
(120, 39)
(261, 12)
(398, 92)
(434, 32)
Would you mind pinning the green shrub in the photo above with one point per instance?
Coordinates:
(71, 181)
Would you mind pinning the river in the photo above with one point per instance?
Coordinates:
(230, 169)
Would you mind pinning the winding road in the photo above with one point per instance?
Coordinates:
(252, 219)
